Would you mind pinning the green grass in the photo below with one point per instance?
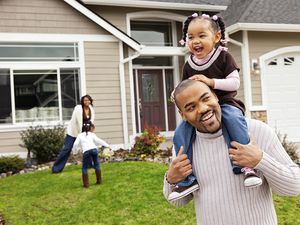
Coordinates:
(131, 194)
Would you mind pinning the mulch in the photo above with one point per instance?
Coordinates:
(2, 221)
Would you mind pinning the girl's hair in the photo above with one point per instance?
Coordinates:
(86, 96)
(88, 126)
(216, 23)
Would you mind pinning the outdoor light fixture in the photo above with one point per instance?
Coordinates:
(255, 66)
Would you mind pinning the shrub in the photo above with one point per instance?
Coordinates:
(43, 143)
(290, 148)
(11, 163)
(147, 143)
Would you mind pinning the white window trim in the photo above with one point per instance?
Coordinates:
(51, 38)
(21, 125)
(157, 51)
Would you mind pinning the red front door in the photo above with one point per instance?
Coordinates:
(151, 99)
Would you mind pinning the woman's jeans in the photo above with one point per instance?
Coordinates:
(89, 155)
(234, 128)
(64, 154)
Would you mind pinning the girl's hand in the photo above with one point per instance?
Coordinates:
(199, 77)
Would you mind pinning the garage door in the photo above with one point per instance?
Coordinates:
(281, 86)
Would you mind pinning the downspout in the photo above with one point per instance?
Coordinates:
(246, 70)
(123, 91)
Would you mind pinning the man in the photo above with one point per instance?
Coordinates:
(222, 197)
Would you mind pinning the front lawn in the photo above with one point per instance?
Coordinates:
(131, 194)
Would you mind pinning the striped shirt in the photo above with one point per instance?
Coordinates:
(222, 198)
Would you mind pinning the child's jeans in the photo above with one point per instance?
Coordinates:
(234, 128)
(86, 159)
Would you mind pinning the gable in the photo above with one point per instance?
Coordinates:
(44, 16)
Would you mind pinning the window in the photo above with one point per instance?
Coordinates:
(273, 62)
(30, 94)
(153, 61)
(38, 52)
(36, 95)
(152, 33)
(289, 61)
(5, 93)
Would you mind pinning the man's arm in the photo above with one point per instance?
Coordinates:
(269, 157)
(282, 174)
(179, 169)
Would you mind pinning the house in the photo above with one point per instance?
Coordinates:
(267, 33)
(126, 55)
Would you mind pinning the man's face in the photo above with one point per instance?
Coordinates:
(200, 107)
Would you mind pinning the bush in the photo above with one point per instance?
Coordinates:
(11, 163)
(147, 143)
(43, 143)
(289, 147)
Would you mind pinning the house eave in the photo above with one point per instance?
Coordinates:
(104, 24)
(157, 5)
(263, 27)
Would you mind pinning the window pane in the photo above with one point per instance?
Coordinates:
(69, 79)
(38, 52)
(150, 88)
(152, 33)
(36, 96)
(5, 100)
(153, 61)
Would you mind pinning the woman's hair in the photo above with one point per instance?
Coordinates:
(216, 23)
(88, 126)
(86, 96)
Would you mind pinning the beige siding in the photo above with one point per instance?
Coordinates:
(102, 83)
(117, 15)
(57, 17)
(44, 16)
(9, 142)
(261, 43)
(235, 51)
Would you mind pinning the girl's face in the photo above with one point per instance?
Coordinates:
(86, 101)
(201, 37)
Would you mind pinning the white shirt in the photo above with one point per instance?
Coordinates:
(87, 141)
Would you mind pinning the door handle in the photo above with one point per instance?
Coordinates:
(140, 108)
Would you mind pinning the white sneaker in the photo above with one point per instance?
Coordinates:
(181, 191)
(251, 178)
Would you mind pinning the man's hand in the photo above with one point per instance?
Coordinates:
(245, 155)
(180, 168)
(199, 77)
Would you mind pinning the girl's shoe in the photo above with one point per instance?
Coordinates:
(182, 191)
(251, 178)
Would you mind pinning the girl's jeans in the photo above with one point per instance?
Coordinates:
(86, 159)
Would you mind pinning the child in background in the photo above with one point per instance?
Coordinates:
(87, 141)
(210, 63)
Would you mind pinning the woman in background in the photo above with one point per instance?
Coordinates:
(82, 113)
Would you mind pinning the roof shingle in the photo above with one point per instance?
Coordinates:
(263, 11)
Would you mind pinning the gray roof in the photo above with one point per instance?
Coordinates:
(200, 2)
(262, 11)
